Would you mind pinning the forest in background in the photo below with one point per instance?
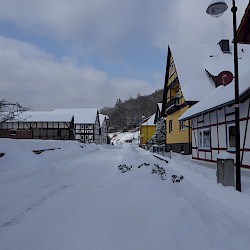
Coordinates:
(128, 114)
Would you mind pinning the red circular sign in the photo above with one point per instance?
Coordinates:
(225, 77)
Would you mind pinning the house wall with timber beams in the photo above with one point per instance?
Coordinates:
(214, 132)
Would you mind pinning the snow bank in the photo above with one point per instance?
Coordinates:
(76, 198)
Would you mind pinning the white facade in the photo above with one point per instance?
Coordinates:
(213, 117)
(103, 129)
(213, 133)
(86, 124)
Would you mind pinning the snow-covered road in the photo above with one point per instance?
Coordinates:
(76, 198)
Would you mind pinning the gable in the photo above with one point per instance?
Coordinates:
(243, 32)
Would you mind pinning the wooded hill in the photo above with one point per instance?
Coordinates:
(128, 114)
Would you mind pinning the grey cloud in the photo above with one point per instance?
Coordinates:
(38, 81)
(107, 25)
(100, 27)
(99, 24)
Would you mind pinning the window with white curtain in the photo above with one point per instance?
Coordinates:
(204, 138)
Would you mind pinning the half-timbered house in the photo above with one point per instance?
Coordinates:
(39, 125)
(86, 124)
(103, 129)
(186, 83)
(213, 118)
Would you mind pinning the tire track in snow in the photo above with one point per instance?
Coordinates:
(18, 217)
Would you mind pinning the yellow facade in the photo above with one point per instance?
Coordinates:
(146, 133)
(176, 133)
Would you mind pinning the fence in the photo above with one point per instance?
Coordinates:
(162, 150)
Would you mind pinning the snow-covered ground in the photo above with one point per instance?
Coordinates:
(74, 197)
(125, 137)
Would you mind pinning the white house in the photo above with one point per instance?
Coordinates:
(213, 118)
(103, 129)
(86, 123)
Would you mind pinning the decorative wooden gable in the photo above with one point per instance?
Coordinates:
(158, 112)
(173, 96)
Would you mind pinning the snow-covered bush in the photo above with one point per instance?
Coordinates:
(159, 137)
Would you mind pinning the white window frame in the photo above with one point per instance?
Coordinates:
(201, 138)
(228, 136)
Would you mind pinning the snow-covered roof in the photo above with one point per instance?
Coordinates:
(189, 62)
(101, 119)
(159, 104)
(219, 97)
(149, 121)
(43, 116)
(81, 115)
(218, 61)
(192, 61)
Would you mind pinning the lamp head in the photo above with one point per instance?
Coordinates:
(216, 8)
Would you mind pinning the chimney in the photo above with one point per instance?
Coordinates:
(224, 45)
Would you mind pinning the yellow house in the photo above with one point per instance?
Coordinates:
(147, 129)
(186, 83)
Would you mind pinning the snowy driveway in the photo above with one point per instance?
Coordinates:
(76, 198)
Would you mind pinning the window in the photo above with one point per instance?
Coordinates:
(81, 126)
(170, 126)
(171, 69)
(204, 138)
(59, 132)
(231, 136)
(13, 132)
(182, 125)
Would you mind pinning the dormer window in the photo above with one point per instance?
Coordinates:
(224, 45)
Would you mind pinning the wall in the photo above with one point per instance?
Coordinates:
(217, 122)
(37, 130)
(146, 133)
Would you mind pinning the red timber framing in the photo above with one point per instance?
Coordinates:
(37, 130)
(218, 125)
(243, 32)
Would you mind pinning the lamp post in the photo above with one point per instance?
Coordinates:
(216, 9)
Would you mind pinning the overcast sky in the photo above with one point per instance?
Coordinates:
(88, 53)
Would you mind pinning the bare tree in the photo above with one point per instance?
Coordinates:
(10, 110)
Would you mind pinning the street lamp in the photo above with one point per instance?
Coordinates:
(216, 9)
